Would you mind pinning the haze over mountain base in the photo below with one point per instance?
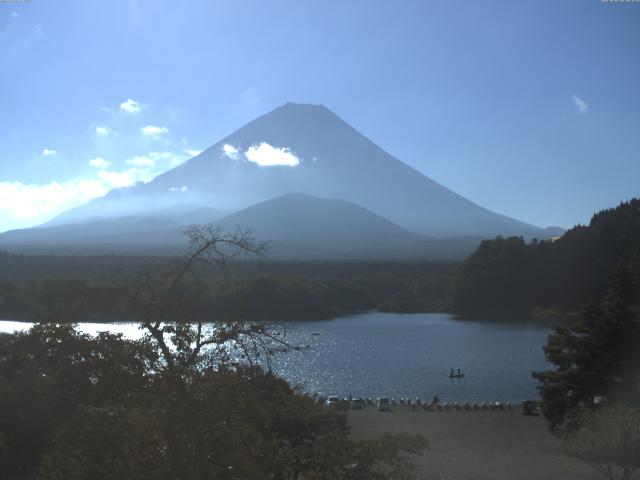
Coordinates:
(304, 180)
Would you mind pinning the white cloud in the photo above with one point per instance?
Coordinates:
(125, 178)
(24, 205)
(99, 162)
(162, 160)
(21, 203)
(103, 131)
(580, 104)
(171, 158)
(49, 152)
(267, 156)
(142, 161)
(143, 169)
(116, 179)
(230, 151)
(154, 131)
(193, 153)
(15, 14)
(183, 188)
(130, 106)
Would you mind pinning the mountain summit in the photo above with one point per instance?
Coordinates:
(300, 148)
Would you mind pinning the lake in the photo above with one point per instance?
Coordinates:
(403, 355)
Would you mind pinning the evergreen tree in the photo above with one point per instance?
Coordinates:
(598, 359)
(510, 276)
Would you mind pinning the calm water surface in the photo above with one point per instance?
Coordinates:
(403, 355)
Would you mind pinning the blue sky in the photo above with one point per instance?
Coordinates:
(531, 109)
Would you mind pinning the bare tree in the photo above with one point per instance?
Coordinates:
(609, 441)
(182, 403)
(197, 361)
(186, 336)
(192, 345)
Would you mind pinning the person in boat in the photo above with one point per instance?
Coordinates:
(458, 372)
(436, 399)
(451, 374)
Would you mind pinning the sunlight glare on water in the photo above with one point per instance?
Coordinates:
(400, 355)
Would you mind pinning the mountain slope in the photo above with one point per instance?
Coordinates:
(297, 217)
(303, 225)
(296, 226)
(334, 161)
(299, 226)
(130, 234)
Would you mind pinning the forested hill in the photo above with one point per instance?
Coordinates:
(510, 276)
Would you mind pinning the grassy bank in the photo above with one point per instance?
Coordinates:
(478, 445)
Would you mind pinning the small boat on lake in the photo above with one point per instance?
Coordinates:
(452, 374)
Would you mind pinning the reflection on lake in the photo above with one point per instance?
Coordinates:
(402, 355)
(129, 330)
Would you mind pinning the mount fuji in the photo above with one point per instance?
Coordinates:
(294, 149)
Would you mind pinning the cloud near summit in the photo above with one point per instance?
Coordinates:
(266, 155)
(230, 151)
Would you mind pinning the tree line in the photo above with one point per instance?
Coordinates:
(190, 400)
(81, 288)
(591, 399)
(509, 276)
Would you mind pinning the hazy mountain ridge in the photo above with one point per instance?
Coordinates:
(296, 226)
(301, 226)
(334, 161)
(296, 216)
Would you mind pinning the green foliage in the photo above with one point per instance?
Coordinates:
(495, 274)
(3, 453)
(278, 299)
(427, 293)
(608, 439)
(80, 288)
(74, 407)
(179, 404)
(510, 276)
(107, 443)
(47, 373)
(597, 357)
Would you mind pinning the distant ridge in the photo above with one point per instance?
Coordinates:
(296, 226)
(329, 159)
(131, 234)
